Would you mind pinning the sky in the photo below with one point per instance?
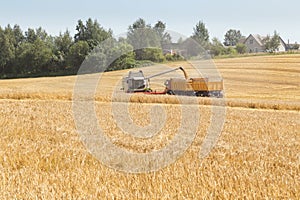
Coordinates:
(250, 17)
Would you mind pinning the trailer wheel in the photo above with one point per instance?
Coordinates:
(200, 94)
(170, 92)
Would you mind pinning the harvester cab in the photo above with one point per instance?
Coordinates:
(135, 82)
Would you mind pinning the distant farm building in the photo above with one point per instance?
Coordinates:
(256, 44)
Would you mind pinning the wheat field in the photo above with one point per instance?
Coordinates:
(256, 156)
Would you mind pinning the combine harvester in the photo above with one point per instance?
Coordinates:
(203, 87)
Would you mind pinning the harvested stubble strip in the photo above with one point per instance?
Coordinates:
(160, 99)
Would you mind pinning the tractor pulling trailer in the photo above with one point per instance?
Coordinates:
(203, 87)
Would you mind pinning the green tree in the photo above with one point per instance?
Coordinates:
(190, 48)
(62, 44)
(78, 52)
(91, 32)
(165, 37)
(34, 57)
(230, 51)
(241, 48)
(174, 57)
(142, 36)
(153, 54)
(80, 28)
(95, 33)
(18, 35)
(8, 31)
(232, 37)
(25, 57)
(217, 47)
(88, 37)
(34, 53)
(41, 34)
(108, 56)
(201, 34)
(7, 53)
(126, 59)
(30, 35)
(272, 42)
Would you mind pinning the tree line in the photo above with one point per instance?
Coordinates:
(36, 53)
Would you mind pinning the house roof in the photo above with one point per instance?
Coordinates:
(291, 45)
(260, 39)
(257, 37)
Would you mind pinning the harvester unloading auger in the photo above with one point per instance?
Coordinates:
(137, 82)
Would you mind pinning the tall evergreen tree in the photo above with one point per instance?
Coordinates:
(201, 34)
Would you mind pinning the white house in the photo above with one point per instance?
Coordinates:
(255, 44)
